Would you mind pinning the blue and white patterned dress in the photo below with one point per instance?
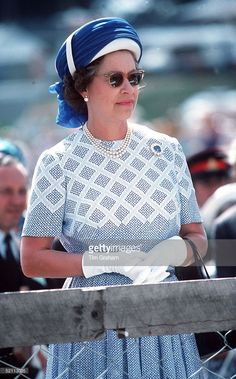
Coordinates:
(86, 197)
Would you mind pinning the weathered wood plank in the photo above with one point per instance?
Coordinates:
(172, 308)
(41, 317)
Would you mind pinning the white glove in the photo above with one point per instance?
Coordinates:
(152, 274)
(172, 251)
(138, 266)
(124, 263)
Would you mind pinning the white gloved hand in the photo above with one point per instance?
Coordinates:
(152, 274)
(172, 251)
(138, 266)
(122, 262)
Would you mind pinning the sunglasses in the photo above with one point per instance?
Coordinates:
(116, 79)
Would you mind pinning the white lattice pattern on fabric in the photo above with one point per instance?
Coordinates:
(138, 190)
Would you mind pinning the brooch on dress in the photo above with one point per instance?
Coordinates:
(156, 149)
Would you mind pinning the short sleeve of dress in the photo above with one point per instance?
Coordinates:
(189, 207)
(45, 211)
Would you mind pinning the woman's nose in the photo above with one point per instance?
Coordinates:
(126, 86)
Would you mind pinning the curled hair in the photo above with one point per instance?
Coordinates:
(80, 81)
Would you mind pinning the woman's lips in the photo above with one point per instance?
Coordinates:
(128, 103)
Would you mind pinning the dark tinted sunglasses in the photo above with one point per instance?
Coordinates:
(116, 79)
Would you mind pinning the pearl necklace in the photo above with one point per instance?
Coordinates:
(111, 153)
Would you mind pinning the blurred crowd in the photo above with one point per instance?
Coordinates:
(205, 124)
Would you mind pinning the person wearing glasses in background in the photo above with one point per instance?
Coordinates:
(111, 182)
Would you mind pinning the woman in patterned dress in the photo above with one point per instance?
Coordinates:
(111, 182)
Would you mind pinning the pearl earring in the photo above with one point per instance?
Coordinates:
(86, 98)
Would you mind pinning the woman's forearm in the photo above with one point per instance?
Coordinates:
(44, 262)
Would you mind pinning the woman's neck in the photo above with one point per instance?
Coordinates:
(107, 132)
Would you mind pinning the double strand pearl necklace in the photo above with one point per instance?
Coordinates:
(111, 153)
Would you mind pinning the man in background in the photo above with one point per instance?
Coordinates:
(13, 202)
(210, 169)
(13, 196)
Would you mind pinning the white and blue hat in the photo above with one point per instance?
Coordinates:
(89, 42)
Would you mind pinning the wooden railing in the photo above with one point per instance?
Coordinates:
(66, 315)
